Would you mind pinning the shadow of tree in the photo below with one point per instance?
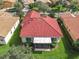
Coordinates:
(37, 52)
(71, 53)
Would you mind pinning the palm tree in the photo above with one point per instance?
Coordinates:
(18, 9)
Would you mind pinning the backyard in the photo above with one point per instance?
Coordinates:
(63, 51)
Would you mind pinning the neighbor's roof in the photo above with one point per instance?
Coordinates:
(6, 23)
(72, 24)
(28, 1)
(44, 1)
(10, 0)
(32, 1)
(36, 25)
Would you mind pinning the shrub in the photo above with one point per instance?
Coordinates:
(76, 43)
(40, 6)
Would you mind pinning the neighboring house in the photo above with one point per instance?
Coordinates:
(8, 24)
(26, 5)
(8, 3)
(39, 30)
(71, 23)
(26, 2)
(25, 10)
(44, 1)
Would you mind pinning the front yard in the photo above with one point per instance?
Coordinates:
(63, 51)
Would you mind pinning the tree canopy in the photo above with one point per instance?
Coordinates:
(19, 52)
(40, 6)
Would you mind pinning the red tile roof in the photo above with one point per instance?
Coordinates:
(72, 25)
(36, 25)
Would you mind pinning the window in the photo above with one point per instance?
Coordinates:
(42, 45)
(14, 27)
(1, 38)
(28, 39)
(11, 32)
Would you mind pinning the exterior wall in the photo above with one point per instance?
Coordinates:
(1, 40)
(23, 40)
(26, 2)
(44, 1)
(10, 33)
(57, 39)
(42, 49)
(42, 40)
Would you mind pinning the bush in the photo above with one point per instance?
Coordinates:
(18, 52)
(76, 43)
(40, 6)
(54, 42)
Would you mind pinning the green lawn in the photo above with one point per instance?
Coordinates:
(64, 51)
(58, 53)
(15, 40)
(4, 49)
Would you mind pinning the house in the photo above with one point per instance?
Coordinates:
(8, 3)
(26, 2)
(71, 23)
(8, 24)
(40, 30)
(44, 1)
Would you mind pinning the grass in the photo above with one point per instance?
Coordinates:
(58, 53)
(64, 50)
(15, 40)
(4, 49)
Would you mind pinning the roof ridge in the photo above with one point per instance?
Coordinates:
(50, 26)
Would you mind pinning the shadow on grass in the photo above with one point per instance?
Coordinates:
(15, 39)
(71, 54)
(37, 52)
(1, 44)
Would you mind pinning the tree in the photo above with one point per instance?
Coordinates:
(74, 5)
(18, 9)
(40, 6)
(18, 6)
(59, 8)
(76, 43)
(19, 52)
